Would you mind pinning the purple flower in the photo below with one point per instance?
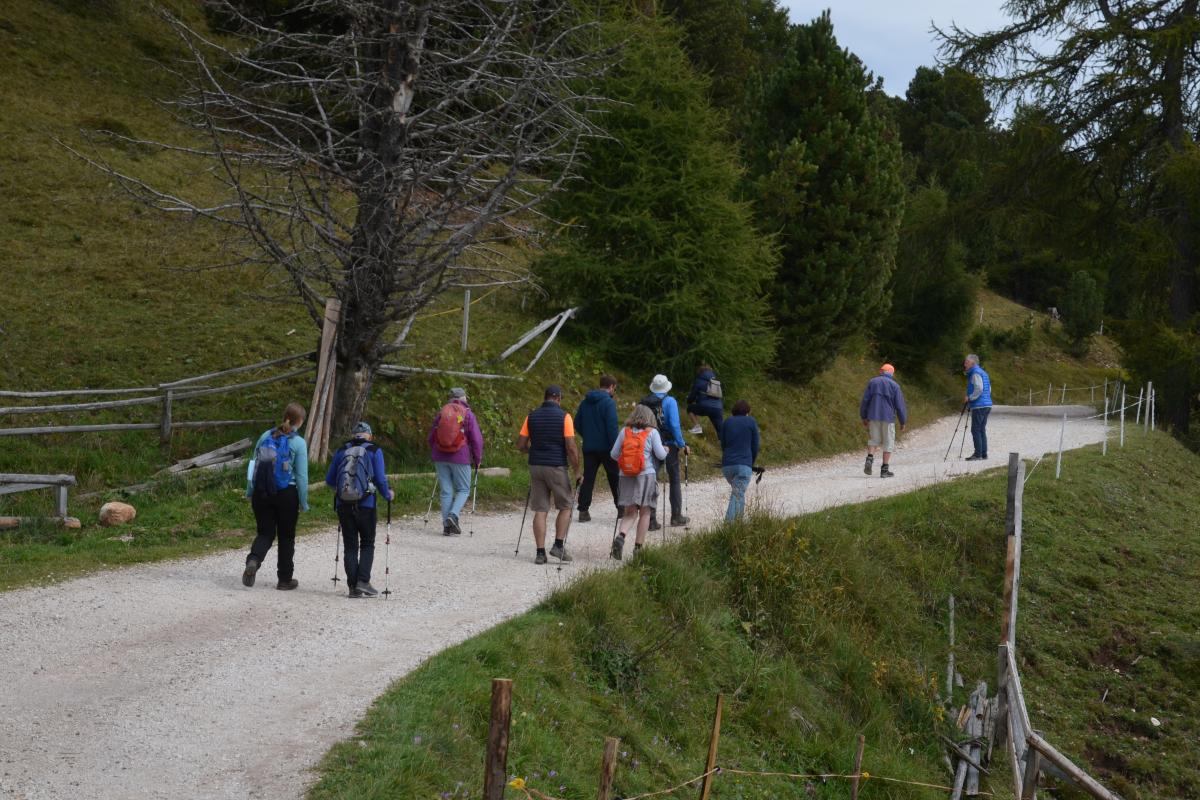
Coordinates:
(417, 739)
(553, 773)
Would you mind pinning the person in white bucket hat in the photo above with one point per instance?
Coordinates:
(666, 413)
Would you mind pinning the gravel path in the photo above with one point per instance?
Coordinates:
(173, 680)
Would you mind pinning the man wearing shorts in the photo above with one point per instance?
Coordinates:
(548, 436)
(881, 404)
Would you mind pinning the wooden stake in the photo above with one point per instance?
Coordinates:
(1064, 394)
(858, 756)
(608, 765)
(711, 762)
(495, 765)
(1104, 445)
(1033, 765)
(1149, 394)
(1122, 416)
(164, 429)
(950, 660)
(1012, 561)
(466, 317)
(1062, 432)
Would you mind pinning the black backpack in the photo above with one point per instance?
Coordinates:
(655, 404)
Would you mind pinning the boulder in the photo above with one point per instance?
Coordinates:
(116, 513)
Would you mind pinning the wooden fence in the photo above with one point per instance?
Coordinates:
(164, 396)
(1028, 752)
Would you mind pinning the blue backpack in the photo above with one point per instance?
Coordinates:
(273, 465)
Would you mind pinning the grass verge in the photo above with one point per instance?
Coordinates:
(825, 626)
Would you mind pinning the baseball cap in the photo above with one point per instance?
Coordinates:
(553, 391)
(888, 368)
(362, 427)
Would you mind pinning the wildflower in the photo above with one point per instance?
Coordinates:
(417, 739)
(552, 774)
(865, 775)
(517, 783)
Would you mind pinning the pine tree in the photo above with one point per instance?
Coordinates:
(662, 257)
(826, 175)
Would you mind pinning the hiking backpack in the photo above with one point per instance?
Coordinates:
(655, 404)
(633, 452)
(356, 471)
(449, 433)
(272, 465)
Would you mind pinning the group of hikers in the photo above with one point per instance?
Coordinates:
(630, 454)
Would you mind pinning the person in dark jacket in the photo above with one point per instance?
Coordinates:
(596, 421)
(882, 404)
(358, 518)
(739, 451)
(704, 400)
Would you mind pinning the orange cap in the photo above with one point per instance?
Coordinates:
(888, 368)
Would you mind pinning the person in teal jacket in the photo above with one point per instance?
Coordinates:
(278, 493)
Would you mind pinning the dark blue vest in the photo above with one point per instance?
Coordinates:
(547, 445)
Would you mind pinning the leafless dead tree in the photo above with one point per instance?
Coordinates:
(383, 152)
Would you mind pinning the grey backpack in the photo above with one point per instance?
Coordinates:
(355, 475)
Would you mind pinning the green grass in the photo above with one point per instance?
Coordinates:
(828, 625)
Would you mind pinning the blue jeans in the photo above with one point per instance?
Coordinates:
(455, 480)
(739, 478)
(979, 418)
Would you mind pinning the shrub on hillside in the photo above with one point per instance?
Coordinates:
(663, 259)
(1083, 305)
(986, 340)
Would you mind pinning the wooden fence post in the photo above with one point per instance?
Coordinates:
(495, 766)
(1122, 416)
(1104, 445)
(466, 317)
(322, 401)
(164, 428)
(1062, 432)
(1012, 560)
(711, 762)
(1146, 413)
(858, 756)
(608, 765)
(1033, 765)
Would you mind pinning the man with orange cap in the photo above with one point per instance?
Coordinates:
(882, 403)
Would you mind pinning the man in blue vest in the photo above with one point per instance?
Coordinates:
(548, 436)
(979, 398)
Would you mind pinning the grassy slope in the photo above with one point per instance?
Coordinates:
(824, 626)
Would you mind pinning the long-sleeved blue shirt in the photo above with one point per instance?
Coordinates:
(299, 450)
(739, 441)
(673, 435)
(378, 473)
(883, 401)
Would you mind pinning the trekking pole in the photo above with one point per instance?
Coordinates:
(387, 551)
(616, 525)
(528, 495)
(432, 494)
(474, 494)
(686, 481)
(963, 443)
(954, 435)
(337, 546)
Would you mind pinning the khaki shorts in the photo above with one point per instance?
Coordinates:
(881, 433)
(549, 483)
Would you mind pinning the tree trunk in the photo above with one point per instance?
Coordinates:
(351, 391)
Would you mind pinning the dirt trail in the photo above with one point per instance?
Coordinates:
(173, 680)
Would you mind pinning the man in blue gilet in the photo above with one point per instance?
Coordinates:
(979, 399)
(548, 436)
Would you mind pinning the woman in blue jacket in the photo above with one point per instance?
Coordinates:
(739, 451)
(704, 400)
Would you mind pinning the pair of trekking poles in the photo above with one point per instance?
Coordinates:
(387, 552)
(474, 496)
(954, 435)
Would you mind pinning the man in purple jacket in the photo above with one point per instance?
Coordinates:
(881, 404)
(455, 445)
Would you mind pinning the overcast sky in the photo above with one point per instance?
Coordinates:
(893, 37)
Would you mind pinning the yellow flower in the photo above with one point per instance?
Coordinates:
(517, 783)
(865, 775)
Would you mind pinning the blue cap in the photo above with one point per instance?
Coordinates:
(362, 427)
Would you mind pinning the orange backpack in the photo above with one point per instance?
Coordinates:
(633, 452)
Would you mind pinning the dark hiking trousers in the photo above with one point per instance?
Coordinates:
(714, 413)
(358, 540)
(676, 490)
(591, 465)
(979, 419)
(276, 516)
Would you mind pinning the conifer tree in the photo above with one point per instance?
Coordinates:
(826, 175)
(662, 257)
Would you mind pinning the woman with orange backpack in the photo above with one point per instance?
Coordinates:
(637, 451)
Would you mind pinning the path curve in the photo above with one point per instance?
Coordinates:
(173, 680)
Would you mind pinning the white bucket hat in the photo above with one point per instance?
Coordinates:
(660, 384)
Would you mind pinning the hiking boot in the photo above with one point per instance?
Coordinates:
(637, 548)
(976, 457)
(540, 559)
(367, 589)
(356, 592)
(653, 525)
(696, 429)
(617, 546)
(447, 529)
(560, 552)
(290, 583)
(248, 574)
(678, 521)
(867, 466)
(884, 472)
(452, 521)
(584, 516)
